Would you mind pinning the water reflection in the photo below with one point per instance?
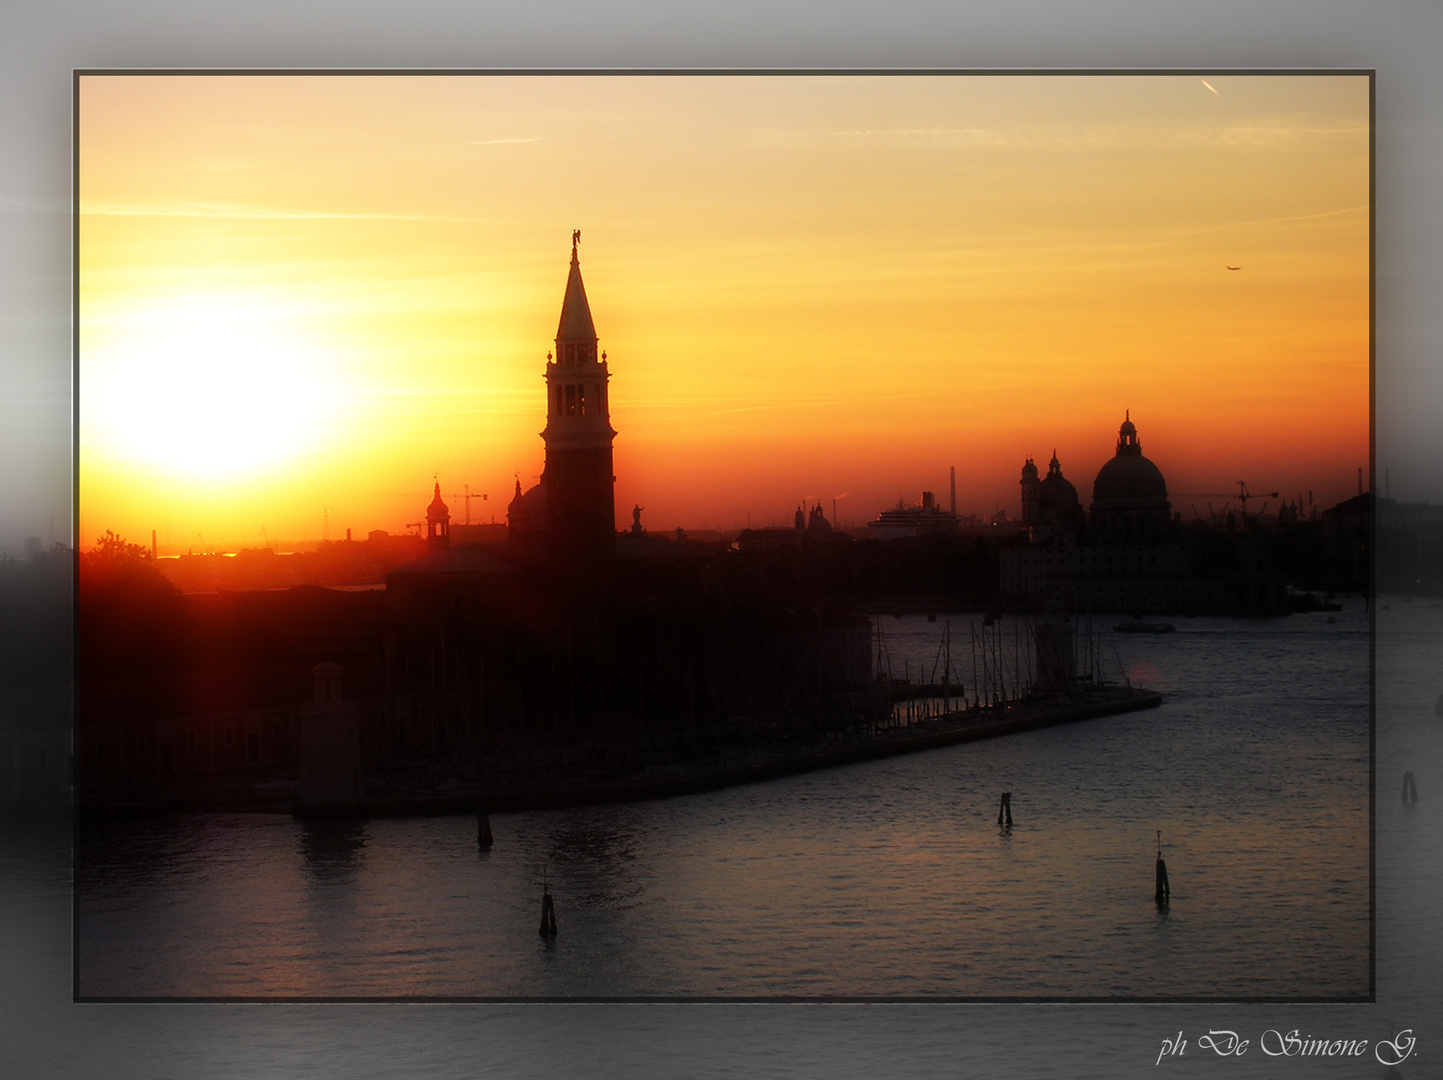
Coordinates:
(593, 857)
(331, 847)
(881, 878)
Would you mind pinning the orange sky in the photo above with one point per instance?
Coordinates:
(305, 295)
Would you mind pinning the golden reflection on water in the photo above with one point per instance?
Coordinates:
(883, 879)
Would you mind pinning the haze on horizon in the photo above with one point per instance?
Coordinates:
(306, 295)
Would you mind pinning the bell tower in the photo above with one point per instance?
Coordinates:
(438, 523)
(578, 479)
(1031, 494)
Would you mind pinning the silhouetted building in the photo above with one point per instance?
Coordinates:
(492, 533)
(1129, 496)
(1031, 493)
(1130, 556)
(569, 518)
(817, 523)
(1347, 531)
(1051, 501)
(330, 746)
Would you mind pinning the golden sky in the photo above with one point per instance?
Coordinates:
(301, 297)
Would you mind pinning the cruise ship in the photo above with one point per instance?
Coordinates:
(903, 521)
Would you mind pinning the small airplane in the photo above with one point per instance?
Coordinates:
(1234, 267)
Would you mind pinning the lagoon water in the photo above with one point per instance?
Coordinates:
(42, 1033)
(883, 880)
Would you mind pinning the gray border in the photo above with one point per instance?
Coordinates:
(41, 44)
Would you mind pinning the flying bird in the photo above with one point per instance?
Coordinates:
(1211, 87)
(1234, 267)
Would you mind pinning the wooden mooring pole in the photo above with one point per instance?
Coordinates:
(484, 839)
(1004, 811)
(1164, 891)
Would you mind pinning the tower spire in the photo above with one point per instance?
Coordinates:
(576, 327)
(577, 478)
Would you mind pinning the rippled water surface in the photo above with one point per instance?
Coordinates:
(886, 879)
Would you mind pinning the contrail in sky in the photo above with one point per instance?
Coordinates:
(1211, 87)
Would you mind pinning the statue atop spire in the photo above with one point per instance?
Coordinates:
(576, 328)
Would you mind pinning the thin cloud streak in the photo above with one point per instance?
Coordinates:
(222, 211)
(1259, 221)
(770, 406)
(1106, 137)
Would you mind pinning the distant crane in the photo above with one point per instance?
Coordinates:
(464, 494)
(468, 497)
(1242, 495)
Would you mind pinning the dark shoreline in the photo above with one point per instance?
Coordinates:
(672, 781)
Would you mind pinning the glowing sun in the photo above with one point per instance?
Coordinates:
(206, 387)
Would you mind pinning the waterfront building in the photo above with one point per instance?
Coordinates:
(1051, 501)
(1130, 555)
(1129, 496)
(330, 746)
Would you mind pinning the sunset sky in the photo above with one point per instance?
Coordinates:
(304, 296)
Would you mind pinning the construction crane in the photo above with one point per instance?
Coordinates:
(468, 497)
(1242, 495)
(464, 494)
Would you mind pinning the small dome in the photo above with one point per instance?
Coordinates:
(1057, 500)
(1029, 470)
(528, 506)
(1057, 493)
(438, 506)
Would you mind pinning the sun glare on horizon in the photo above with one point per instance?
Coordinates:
(207, 387)
(806, 283)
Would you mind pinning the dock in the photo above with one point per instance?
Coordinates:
(959, 726)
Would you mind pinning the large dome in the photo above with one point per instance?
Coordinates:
(1129, 478)
(1129, 496)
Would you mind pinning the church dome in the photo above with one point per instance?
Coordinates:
(1129, 476)
(1129, 496)
(534, 503)
(438, 505)
(1055, 493)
